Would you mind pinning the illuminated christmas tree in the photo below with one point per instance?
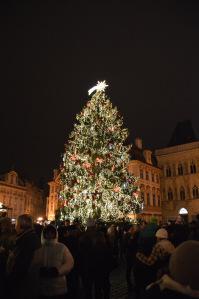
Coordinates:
(94, 174)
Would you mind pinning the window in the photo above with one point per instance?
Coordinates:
(180, 169)
(159, 203)
(147, 175)
(142, 196)
(168, 171)
(170, 194)
(154, 203)
(148, 199)
(195, 192)
(193, 167)
(141, 174)
(182, 193)
(157, 178)
(152, 177)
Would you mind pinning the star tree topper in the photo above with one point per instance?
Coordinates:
(99, 87)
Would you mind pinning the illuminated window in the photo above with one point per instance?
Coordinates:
(154, 203)
(142, 196)
(180, 169)
(170, 194)
(159, 203)
(147, 175)
(148, 199)
(182, 193)
(193, 167)
(168, 171)
(195, 192)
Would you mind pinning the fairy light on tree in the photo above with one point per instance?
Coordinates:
(94, 174)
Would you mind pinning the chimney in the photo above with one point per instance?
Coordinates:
(147, 156)
(138, 142)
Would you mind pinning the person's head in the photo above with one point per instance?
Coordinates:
(90, 223)
(143, 224)
(179, 220)
(24, 222)
(161, 234)
(49, 234)
(67, 222)
(183, 265)
(132, 230)
(5, 225)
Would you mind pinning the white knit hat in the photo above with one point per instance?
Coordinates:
(184, 264)
(162, 233)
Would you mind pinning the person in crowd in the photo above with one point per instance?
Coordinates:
(146, 241)
(130, 245)
(182, 282)
(193, 231)
(70, 237)
(7, 241)
(95, 262)
(113, 241)
(20, 258)
(160, 252)
(51, 263)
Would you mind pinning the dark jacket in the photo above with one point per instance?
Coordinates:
(19, 262)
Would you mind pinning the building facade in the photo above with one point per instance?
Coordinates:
(52, 199)
(21, 197)
(179, 180)
(143, 166)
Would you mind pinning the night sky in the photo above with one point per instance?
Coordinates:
(51, 54)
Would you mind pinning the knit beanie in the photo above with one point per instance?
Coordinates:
(184, 264)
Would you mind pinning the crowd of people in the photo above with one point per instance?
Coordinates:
(75, 262)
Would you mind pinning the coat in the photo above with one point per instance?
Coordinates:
(19, 262)
(52, 254)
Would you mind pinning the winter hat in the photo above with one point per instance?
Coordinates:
(184, 264)
(162, 233)
(90, 222)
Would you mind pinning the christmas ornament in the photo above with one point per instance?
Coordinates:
(99, 160)
(117, 189)
(86, 165)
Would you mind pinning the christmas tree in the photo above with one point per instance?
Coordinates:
(94, 175)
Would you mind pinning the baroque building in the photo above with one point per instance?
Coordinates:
(179, 162)
(52, 199)
(144, 166)
(179, 180)
(21, 197)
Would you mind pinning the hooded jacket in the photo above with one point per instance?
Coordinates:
(52, 254)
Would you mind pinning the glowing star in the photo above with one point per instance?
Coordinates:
(99, 87)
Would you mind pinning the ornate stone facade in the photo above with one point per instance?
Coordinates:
(52, 199)
(179, 180)
(143, 165)
(21, 197)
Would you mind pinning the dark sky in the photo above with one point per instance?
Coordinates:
(52, 52)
